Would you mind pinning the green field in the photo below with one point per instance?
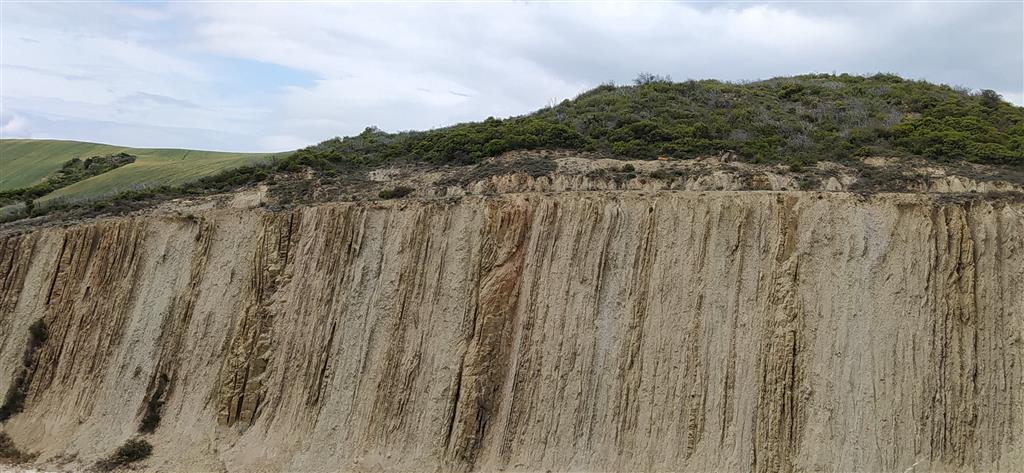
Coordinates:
(24, 163)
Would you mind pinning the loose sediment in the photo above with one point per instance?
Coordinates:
(725, 331)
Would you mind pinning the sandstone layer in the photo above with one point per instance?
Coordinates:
(582, 331)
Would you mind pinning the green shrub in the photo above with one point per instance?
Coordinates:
(396, 193)
(38, 333)
(131, 451)
(533, 167)
(645, 78)
(154, 406)
(663, 174)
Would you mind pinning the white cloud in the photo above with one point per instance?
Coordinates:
(14, 126)
(1014, 97)
(282, 142)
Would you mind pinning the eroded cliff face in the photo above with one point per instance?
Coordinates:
(726, 331)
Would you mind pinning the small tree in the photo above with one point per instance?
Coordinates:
(650, 78)
(990, 98)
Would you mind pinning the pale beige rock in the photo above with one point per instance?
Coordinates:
(583, 331)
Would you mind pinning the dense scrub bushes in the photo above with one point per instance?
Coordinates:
(953, 137)
(796, 120)
(462, 144)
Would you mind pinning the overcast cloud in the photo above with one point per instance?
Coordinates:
(276, 76)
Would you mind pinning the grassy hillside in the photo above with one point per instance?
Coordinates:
(24, 163)
(794, 120)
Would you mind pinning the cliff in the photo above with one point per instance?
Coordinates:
(586, 331)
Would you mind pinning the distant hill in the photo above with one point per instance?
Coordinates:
(25, 163)
(793, 120)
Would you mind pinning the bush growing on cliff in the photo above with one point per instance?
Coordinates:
(14, 401)
(38, 333)
(396, 193)
(151, 418)
(10, 453)
(533, 167)
(131, 451)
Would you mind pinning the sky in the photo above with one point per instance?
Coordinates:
(273, 76)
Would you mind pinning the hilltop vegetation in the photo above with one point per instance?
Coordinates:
(796, 120)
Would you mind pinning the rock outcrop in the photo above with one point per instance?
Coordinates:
(583, 331)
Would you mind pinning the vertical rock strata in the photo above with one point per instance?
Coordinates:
(242, 386)
(755, 331)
